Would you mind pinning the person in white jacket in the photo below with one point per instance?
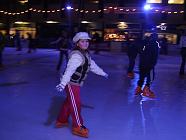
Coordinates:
(78, 65)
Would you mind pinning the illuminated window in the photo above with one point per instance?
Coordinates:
(23, 1)
(175, 1)
(153, 1)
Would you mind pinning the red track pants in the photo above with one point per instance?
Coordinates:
(71, 106)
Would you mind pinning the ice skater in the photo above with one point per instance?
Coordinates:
(3, 42)
(78, 65)
(64, 45)
(147, 61)
(132, 52)
(183, 53)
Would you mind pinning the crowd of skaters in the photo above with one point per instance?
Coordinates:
(18, 42)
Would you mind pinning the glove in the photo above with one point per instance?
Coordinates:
(60, 87)
(106, 75)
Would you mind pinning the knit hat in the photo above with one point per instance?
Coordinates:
(81, 35)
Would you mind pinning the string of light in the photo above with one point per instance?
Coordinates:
(105, 10)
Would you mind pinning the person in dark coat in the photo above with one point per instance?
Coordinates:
(2, 45)
(148, 58)
(31, 45)
(18, 41)
(132, 52)
(96, 39)
(164, 45)
(183, 53)
(64, 44)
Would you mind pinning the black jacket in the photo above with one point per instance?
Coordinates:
(149, 53)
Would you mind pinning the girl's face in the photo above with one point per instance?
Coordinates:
(83, 44)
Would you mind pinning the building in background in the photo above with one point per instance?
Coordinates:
(113, 20)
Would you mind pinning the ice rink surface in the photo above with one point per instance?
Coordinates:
(29, 103)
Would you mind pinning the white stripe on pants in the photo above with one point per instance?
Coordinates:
(74, 105)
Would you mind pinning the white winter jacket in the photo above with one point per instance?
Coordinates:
(74, 62)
